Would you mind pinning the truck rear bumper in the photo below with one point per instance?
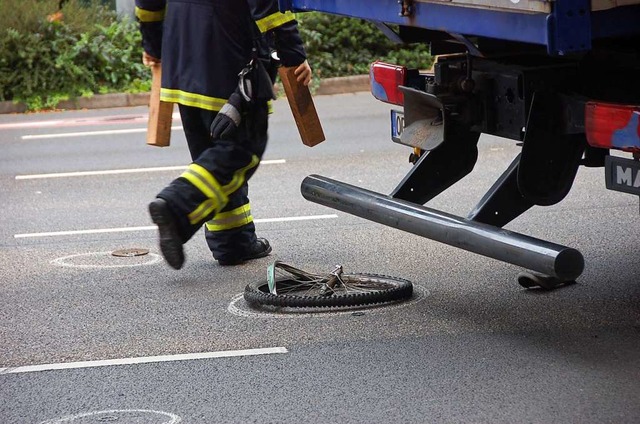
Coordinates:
(554, 260)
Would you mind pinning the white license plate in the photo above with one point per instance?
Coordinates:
(622, 174)
(397, 125)
(425, 134)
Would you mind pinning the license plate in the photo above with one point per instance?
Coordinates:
(397, 125)
(622, 174)
(426, 133)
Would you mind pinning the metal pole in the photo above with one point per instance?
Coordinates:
(548, 258)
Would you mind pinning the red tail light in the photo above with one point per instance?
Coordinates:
(385, 82)
(613, 126)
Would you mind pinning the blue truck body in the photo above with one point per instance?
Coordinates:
(560, 78)
(569, 27)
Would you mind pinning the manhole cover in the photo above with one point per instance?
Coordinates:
(239, 307)
(115, 259)
(125, 416)
(128, 253)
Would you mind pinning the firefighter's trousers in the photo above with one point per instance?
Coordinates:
(213, 190)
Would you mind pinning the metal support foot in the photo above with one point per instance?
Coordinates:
(530, 280)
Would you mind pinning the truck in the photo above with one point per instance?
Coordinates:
(561, 78)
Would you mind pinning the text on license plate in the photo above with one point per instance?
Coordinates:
(622, 174)
(397, 125)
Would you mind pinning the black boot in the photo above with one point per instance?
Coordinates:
(170, 241)
(259, 249)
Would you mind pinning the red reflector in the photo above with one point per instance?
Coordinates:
(385, 80)
(613, 126)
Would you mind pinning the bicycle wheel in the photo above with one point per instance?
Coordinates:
(301, 289)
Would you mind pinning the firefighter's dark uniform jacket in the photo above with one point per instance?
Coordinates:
(203, 45)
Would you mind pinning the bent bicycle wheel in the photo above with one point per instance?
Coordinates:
(351, 290)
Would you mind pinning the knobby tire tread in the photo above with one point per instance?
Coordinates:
(257, 293)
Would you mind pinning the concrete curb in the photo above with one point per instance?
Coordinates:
(340, 85)
(343, 85)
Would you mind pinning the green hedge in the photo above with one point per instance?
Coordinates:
(91, 51)
(339, 46)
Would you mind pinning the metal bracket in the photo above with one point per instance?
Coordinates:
(569, 27)
(471, 47)
(550, 158)
(424, 120)
(389, 32)
(503, 202)
(406, 8)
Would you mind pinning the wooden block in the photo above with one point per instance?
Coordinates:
(160, 113)
(302, 107)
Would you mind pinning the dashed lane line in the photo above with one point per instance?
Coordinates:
(83, 121)
(153, 227)
(144, 360)
(122, 171)
(89, 133)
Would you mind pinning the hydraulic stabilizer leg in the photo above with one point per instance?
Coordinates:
(503, 202)
(548, 258)
(444, 165)
(438, 170)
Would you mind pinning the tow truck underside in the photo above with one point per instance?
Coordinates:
(550, 103)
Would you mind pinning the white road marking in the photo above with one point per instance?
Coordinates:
(153, 227)
(35, 124)
(296, 218)
(123, 171)
(144, 360)
(84, 121)
(77, 232)
(90, 133)
(173, 418)
(152, 259)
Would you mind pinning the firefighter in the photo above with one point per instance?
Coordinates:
(217, 66)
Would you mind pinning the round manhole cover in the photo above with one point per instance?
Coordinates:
(128, 253)
(239, 307)
(113, 259)
(128, 416)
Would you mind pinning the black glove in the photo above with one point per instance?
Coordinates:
(228, 120)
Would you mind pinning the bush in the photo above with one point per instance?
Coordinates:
(339, 46)
(80, 15)
(88, 51)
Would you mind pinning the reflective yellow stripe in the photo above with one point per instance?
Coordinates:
(206, 208)
(217, 196)
(239, 176)
(191, 99)
(231, 219)
(150, 15)
(207, 184)
(203, 180)
(274, 21)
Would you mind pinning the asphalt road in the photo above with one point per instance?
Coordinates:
(87, 337)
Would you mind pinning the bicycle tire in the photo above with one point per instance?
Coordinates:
(391, 289)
